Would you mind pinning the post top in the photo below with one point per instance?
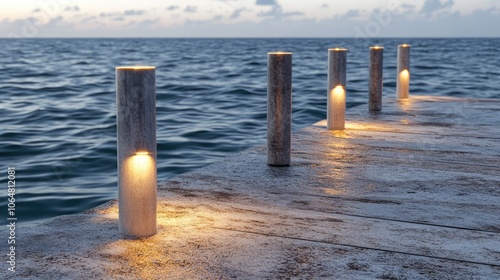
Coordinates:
(280, 53)
(376, 48)
(338, 49)
(135, 68)
(405, 46)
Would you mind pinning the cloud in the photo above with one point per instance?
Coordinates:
(109, 14)
(352, 14)
(87, 19)
(148, 22)
(325, 6)
(277, 13)
(237, 13)
(72, 9)
(407, 9)
(121, 16)
(190, 9)
(266, 3)
(172, 8)
(442, 22)
(432, 6)
(36, 10)
(134, 12)
(56, 21)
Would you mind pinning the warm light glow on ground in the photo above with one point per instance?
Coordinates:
(352, 125)
(333, 191)
(369, 126)
(405, 104)
(340, 134)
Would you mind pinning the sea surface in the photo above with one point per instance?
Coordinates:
(57, 103)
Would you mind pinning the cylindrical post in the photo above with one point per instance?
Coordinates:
(403, 87)
(136, 131)
(376, 78)
(337, 61)
(279, 108)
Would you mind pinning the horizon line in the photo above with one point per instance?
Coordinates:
(264, 37)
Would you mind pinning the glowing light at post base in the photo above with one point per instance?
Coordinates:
(403, 78)
(337, 97)
(141, 163)
(336, 91)
(404, 82)
(139, 186)
(339, 91)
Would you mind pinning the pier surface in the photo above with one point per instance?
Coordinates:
(412, 192)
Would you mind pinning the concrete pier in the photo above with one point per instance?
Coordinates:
(409, 193)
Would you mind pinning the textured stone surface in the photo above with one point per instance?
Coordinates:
(410, 193)
(376, 82)
(279, 108)
(336, 106)
(403, 78)
(136, 133)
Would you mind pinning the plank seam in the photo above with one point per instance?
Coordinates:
(432, 134)
(359, 247)
(402, 221)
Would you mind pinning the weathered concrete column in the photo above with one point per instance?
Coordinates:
(136, 131)
(337, 79)
(376, 78)
(279, 108)
(403, 87)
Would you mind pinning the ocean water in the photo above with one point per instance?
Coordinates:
(57, 103)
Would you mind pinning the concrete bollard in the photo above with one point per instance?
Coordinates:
(279, 108)
(336, 104)
(376, 78)
(136, 131)
(403, 86)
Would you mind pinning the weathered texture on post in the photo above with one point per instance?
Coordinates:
(376, 78)
(403, 86)
(337, 80)
(279, 108)
(136, 133)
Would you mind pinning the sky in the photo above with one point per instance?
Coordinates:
(250, 18)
